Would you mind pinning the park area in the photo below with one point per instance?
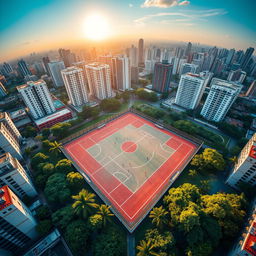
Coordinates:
(130, 162)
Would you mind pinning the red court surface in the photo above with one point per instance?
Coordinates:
(129, 202)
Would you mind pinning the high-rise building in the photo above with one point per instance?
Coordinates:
(75, 85)
(251, 92)
(134, 74)
(46, 61)
(190, 91)
(23, 68)
(3, 91)
(37, 98)
(7, 68)
(67, 56)
(122, 73)
(133, 56)
(246, 58)
(207, 75)
(237, 76)
(230, 56)
(14, 175)
(99, 80)
(220, 98)
(188, 68)
(55, 68)
(18, 226)
(244, 170)
(188, 49)
(141, 52)
(162, 77)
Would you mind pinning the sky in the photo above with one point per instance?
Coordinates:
(34, 25)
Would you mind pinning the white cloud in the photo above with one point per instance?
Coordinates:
(164, 3)
(130, 5)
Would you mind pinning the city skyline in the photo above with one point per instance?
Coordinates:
(68, 23)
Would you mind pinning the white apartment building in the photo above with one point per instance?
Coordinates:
(16, 222)
(220, 98)
(122, 73)
(133, 56)
(188, 68)
(99, 80)
(14, 175)
(245, 168)
(190, 91)
(75, 85)
(9, 142)
(55, 68)
(37, 98)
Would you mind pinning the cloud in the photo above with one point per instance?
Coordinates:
(183, 16)
(163, 3)
(130, 5)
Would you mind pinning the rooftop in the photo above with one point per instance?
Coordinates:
(30, 83)
(52, 116)
(5, 198)
(250, 241)
(97, 65)
(71, 69)
(224, 83)
(18, 113)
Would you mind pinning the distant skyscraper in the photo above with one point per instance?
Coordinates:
(99, 80)
(162, 77)
(190, 91)
(14, 175)
(141, 52)
(188, 49)
(10, 137)
(75, 85)
(133, 56)
(188, 68)
(7, 68)
(23, 68)
(230, 56)
(111, 61)
(220, 98)
(134, 74)
(37, 98)
(46, 61)
(245, 169)
(3, 91)
(18, 226)
(246, 58)
(55, 70)
(251, 92)
(122, 73)
(237, 76)
(67, 56)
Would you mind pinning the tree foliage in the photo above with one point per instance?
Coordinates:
(43, 227)
(63, 216)
(75, 180)
(64, 166)
(110, 105)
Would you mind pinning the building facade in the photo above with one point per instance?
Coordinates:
(3, 91)
(99, 80)
(245, 168)
(237, 76)
(162, 77)
(190, 91)
(15, 177)
(37, 98)
(55, 68)
(141, 52)
(75, 85)
(24, 68)
(220, 98)
(188, 68)
(16, 222)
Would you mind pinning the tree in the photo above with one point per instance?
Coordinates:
(43, 227)
(29, 131)
(204, 186)
(38, 158)
(159, 216)
(63, 216)
(84, 203)
(46, 132)
(60, 130)
(126, 96)
(145, 248)
(41, 180)
(43, 212)
(47, 169)
(192, 173)
(76, 235)
(96, 221)
(210, 159)
(204, 249)
(55, 147)
(56, 189)
(186, 126)
(110, 105)
(46, 144)
(64, 166)
(75, 180)
(105, 213)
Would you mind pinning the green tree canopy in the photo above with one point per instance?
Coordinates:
(43, 227)
(29, 131)
(75, 180)
(38, 158)
(110, 105)
(159, 216)
(63, 216)
(60, 130)
(64, 166)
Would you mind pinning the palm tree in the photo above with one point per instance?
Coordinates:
(106, 214)
(158, 215)
(84, 203)
(55, 147)
(145, 248)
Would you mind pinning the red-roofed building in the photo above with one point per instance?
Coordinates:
(17, 225)
(249, 245)
(245, 169)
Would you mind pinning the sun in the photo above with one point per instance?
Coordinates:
(96, 27)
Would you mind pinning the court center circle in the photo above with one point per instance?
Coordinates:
(129, 146)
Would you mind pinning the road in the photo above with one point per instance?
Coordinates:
(130, 244)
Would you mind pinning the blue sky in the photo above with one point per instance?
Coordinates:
(31, 25)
